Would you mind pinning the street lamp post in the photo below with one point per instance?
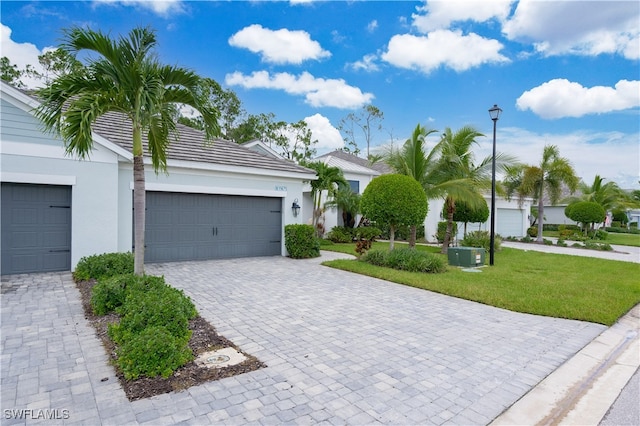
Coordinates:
(494, 113)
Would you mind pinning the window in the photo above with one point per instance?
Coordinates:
(355, 185)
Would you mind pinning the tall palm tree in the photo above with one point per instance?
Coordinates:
(547, 178)
(328, 179)
(412, 160)
(455, 176)
(126, 78)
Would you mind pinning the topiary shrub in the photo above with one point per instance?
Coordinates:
(103, 265)
(301, 241)
(585, 212)
(155, 351)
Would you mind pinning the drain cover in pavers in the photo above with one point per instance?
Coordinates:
(220, 358)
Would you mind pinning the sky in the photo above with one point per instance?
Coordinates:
(564, 73)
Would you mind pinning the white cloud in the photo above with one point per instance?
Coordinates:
(372, 26)
(318, 92)
(164, 8)
(554, 27)
(560, 98)
(436, 15)
(322, 130)
(280, 46)
(445, 48)
(367, 63)
(21, 55)
(612, 155)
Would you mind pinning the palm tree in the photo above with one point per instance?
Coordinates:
(609, 195)
(125, 78)
(328, 179)
(348, 202)
(547, 178)
(412, 160)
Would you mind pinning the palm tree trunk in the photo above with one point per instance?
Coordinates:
(392, 236)
(139, 206)
(540, 219)
(447, 235)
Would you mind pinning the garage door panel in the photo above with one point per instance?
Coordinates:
(36, 228)
(204, 226)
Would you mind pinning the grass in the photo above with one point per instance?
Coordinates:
(554, 285)
(612, 238)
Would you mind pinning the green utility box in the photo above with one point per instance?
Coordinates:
(466, 256)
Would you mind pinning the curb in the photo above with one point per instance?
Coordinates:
(582, 390)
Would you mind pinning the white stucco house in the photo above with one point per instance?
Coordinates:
(512, 218)
(216, 201)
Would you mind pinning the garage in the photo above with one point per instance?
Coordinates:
(509, 222)
(184, 226)
(36, 228)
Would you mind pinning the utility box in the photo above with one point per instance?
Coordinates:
(466, 256)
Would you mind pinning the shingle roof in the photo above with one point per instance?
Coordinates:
(348, 166)
(191, 146)
(381, 167)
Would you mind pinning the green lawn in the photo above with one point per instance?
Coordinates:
(612, 238)
(561, 286)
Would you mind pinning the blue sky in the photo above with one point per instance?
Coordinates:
(564, 72)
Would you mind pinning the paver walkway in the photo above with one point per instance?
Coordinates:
(340, 349)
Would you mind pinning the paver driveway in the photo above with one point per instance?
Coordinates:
(340, 348)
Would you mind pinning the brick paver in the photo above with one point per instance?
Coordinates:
(340, 349)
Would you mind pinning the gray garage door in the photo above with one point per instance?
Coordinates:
(509, 222)
(36, 228)
(183, 226)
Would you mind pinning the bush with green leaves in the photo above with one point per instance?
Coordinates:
(622, 230)
(155, 351)
(301, 241)
(165, 307)
(103, 265)
(585, 212)
(532, 231)
(481, 239)
(340, 234)
(407, 259)
(111, 292)
(595, 245)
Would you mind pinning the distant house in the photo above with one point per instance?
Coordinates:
(512, 218)
(220, 200)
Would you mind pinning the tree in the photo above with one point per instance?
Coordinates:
(252, 128)
(294, 140)
(367, 119)
(609, 195)
(127, 79)
(10, 73)
(466, 214)
(454, 176)
(585, 212)
(328, 178)
(58, 62)
(394, 200)
(547, 178)
(412, 160)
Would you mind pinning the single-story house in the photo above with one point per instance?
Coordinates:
(219, 200)
(512, 218)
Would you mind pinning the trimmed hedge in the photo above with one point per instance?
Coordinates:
(301, 241)
(103, 265)
(406, 259)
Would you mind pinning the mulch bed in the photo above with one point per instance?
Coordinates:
(204, 338)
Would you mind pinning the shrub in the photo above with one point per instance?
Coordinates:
(407, 259)
(481, 239)
(594, 245)
(532, 231)
(585, 212)
(622, 230)
(301, 242)
(365, 236)
(163, 307)
(103, 265)
(598, 234)
(340, 234)
(111, 293)
(526, 239)
(561, 243)
(547, 242)
(155, 351)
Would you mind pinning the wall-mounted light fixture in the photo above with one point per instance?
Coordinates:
(295, 208)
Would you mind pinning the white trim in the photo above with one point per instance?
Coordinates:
(37, 179)
(167, 187)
